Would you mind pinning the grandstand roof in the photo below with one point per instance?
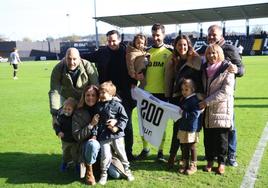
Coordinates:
(249, 11)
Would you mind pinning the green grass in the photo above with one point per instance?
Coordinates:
(30, 153)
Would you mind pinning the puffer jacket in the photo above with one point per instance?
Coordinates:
(220, 100)
(111, 109)
(64, 124)
(62, 87)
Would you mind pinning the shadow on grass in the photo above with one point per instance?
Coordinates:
(26, 168)
(251, 105)
(251, 98)
(151, 164)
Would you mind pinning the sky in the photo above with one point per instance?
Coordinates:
(39, 19)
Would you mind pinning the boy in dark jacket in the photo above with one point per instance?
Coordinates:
(63, 129)
(111, 136)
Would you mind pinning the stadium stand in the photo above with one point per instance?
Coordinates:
(253, 44)
(265, 47)
(6, 48)
(257, 44)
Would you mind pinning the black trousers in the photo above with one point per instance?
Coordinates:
(129, 105)
(216, 143)
(175, 142)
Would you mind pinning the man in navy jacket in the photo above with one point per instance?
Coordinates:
(111, 65)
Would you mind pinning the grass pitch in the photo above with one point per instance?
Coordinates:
(30, 153)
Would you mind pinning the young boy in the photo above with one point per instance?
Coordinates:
(63, 129)
(111, 136)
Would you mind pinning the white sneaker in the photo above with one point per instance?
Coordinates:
(15, 78)
(130, 176)
(103, 179)
(82, 170)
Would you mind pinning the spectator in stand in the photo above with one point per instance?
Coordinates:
(111, 65)
(231, 54)
(14, 61)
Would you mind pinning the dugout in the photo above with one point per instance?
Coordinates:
(246, 11)
(252, 44)
(84, 47)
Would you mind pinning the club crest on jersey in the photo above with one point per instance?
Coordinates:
(165, 56)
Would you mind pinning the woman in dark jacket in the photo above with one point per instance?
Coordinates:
(185, 64)
(84, 120)
(84, 124)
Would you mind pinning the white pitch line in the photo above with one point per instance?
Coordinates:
(252, 170)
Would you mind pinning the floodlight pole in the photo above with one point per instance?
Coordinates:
(69, 23)
(96, 27)
(247, 27)
(223, 28)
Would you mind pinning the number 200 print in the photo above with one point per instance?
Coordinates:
(151, 113)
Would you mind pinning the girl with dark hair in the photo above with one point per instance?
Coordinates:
(185, 64)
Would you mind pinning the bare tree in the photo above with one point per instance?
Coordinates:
(2, 38)
(27, 39)
(257, 29)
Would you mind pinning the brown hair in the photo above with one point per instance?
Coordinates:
(139, 36)
(108, 87)
(111, 32)
(70, 102)
(189, 83)
(190, 52)
(158, 26)
(215, 48)
(87, 88)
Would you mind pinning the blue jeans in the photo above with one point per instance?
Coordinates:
(91, 150)
(232, 140)
(113, 172)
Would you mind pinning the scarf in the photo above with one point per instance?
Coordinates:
(212, 69)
